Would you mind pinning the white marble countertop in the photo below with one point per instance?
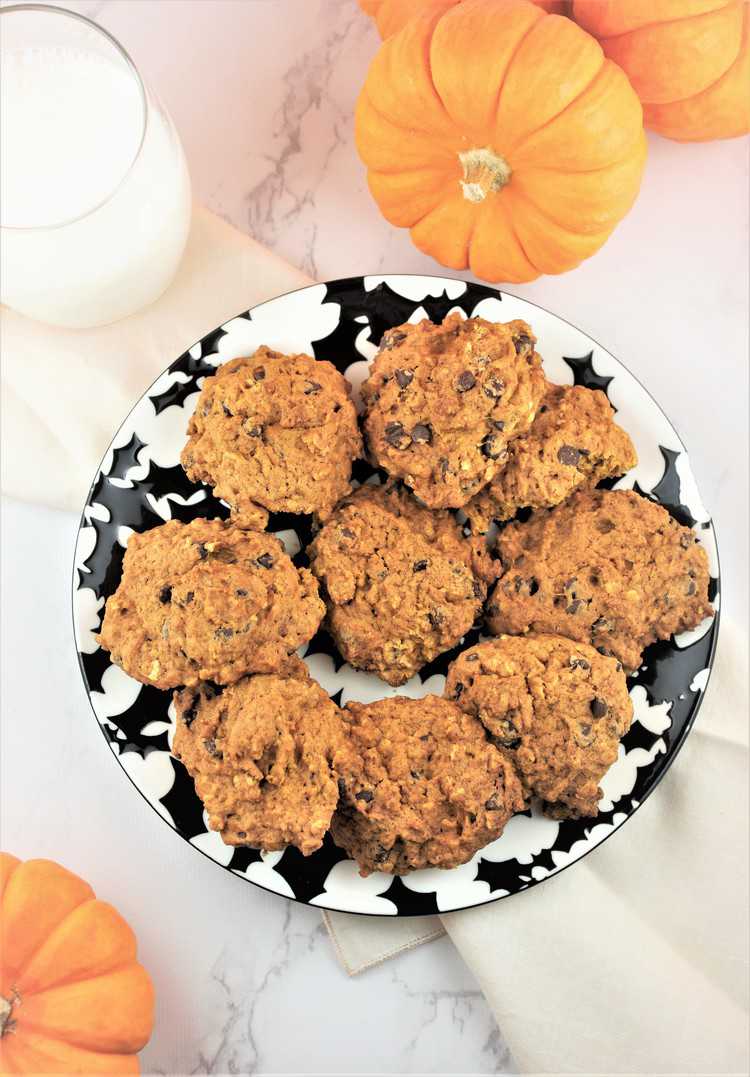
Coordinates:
(262, 92)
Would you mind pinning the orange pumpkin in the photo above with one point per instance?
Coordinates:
(688, 60)
(390, 15)
(73, 998)
(501, 137)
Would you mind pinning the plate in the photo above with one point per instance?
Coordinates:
(140, 484)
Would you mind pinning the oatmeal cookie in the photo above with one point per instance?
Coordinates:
(559, 707)
(274, 433)
(442, 402)
(424, 786)
(263, 755)
(610, 568)
(401, 583)
(207, 601)
(573, 442)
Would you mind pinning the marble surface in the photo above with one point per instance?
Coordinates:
(262, 92)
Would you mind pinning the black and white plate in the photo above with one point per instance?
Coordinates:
(140, 484)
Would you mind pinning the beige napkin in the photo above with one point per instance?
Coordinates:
(635, 959)
(66, 391)
(632, 961)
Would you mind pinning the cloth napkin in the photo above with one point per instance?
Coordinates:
(635, 959)
(632, 961)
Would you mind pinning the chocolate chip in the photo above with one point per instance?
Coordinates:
(472, 657)
(476, 588)
(435, 618)
(472, 817)
(493, 447)
(574, 606)
(165, 595)
(203, 551)
(210, 745)
(458, 689)
(494, 388)
(578, 663)
(392, 339)
(492, 805)
(416, 774)
(254, 431)
(422, 432)
(404, 377)
(533, 586)
(347, 533)
(568, 455)
(419, 566)
(443, 465)
(601, 624)
(265, 560)
(522, 343)
(224, 633)
(241, 833)
(312, 387)
(465, 381)
(585, 729)
(498, 424)
(189, 715)
(365, 795)
(241, 592)
(605, 526)
(342, 787)
(259, 373)
(605, 651)
(189, 597)
(426, 736)
(396, 436)
(691, 588)
(598, 707)
(226, 410)
(687, 538)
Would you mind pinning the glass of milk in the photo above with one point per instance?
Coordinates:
(94, 189)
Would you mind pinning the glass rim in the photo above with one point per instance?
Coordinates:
(51, 9)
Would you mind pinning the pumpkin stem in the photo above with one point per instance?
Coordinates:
(7, 1021)
(484, 171)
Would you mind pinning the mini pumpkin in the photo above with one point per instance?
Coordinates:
(390, 15)
(688, 60)
(501, 137)
(73, 998)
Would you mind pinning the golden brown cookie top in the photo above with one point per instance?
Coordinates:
(401, 583)
(207, 600)
(264, 756)
(442, 401)
(610, 568)
(274, 433)
(573, 442)
(424, 787)
(558, 707)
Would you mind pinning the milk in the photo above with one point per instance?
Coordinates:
(94, 210)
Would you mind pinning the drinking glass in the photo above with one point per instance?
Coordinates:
(94, 193)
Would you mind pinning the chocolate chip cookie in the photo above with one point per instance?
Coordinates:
(274, 433)
(573, 442)
(207, 601)
(559, 708)
(442, 402)
(424, 787)
(263, 755)
(610, 568)
(401, 584)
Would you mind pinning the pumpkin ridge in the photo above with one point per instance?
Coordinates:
(519, 241)
(521, 196)
(670, 22)
(706, 89)
(451, 153)
(511, 60)
(553, 119)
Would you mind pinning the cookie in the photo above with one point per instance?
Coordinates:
(263, 755)
(207, 601)
(559, 708)
(442, 402)
(609, 568)
(274, 433)
(401, 583)
(573, 442)
(424, 786)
